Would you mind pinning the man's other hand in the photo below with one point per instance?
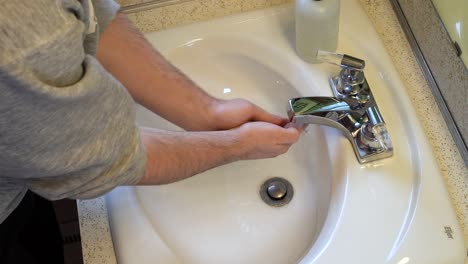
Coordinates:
(228, 114)
(259, 140)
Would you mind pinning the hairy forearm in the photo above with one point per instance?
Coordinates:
(174, 156)
(151, 80)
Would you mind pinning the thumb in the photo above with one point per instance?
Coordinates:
(289, 136)
(300, 128)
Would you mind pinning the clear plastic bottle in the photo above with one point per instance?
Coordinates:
(317, 26)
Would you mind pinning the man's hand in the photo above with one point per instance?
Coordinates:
(259, 140)
(228, 114)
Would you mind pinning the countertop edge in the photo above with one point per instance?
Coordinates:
(96, 239)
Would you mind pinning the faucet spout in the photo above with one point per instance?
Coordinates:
(355, 124)
(327, 111)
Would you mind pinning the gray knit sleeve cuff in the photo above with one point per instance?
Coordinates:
(105, 11)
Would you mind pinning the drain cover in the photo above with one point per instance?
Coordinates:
(276, 192)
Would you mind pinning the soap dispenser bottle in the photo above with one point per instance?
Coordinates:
(317, 26)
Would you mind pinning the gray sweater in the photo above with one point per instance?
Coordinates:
(67, 126)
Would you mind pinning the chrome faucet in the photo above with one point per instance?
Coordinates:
(353, 110)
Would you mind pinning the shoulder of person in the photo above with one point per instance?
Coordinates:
(26, 25)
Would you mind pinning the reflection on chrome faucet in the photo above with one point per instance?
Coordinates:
(353, 110)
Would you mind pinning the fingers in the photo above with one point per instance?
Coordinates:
(300, 128)
(261, 115)
(290, 136)
(266, 140)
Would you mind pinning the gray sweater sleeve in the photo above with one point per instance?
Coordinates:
(67, 126)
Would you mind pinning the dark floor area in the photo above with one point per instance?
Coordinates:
(67, 217)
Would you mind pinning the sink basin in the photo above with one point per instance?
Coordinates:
(387, 211)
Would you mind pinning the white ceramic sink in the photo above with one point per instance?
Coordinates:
(395, 210)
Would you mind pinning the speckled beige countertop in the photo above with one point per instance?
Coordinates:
(95, 232)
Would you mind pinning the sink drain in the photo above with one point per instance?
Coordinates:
(276, 192)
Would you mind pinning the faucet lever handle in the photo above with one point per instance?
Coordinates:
(341, 60)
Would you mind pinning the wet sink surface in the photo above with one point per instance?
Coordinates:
(397, 207)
